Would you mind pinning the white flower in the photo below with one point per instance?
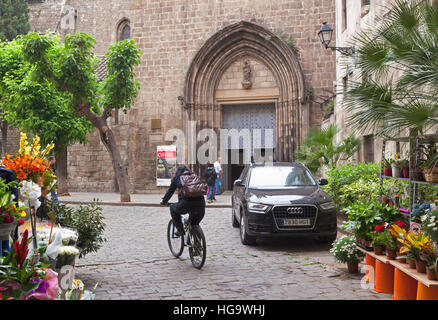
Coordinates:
(435, 228)
(68, 250)
(31, 192)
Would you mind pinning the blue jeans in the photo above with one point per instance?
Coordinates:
(54, 196)
(210, 194)
(218, 180)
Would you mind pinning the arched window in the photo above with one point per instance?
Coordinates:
(123, 33)
(124, 30)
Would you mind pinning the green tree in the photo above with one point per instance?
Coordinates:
(321, 149)
(39, 108)
(400, 54)
(69, 66)
(14, 21)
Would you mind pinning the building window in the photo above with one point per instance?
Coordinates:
(123, 33)
(123, 30)
(344, 15)
(368, 148)
(365, 2)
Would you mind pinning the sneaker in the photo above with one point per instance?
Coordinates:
(209, 201)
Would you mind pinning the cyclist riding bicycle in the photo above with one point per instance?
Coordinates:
(194, 206)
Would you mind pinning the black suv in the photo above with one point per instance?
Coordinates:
(281, 199)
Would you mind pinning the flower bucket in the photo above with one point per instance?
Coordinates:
(5, 230)
(384, 277)
(426, 293)
(405, 287)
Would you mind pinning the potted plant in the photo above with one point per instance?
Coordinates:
(345, 250)
(404, 167)
(387, 168)
(379, 238)
(390, 244)
(10, 215)
(395, 165)
(429, 164)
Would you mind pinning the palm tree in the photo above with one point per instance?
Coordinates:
(320, 148)
(401, 54)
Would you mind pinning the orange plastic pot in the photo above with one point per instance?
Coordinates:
(384, 277)
(405, 287)
(371, 262)
(426, 293)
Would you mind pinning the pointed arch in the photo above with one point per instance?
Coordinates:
(224, 48)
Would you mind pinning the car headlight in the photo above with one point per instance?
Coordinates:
(258, 207)
(328, 205)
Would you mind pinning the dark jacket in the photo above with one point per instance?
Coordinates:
(8, 176)
(176, 184)
(210, 176)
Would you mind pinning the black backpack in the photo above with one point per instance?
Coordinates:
(210, 176)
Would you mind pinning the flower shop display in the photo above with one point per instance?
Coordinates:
(344, 250)
(21, 277)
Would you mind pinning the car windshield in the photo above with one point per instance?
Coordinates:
(273, 176)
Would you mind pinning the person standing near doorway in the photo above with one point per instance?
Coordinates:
(219, 179)
(210, 178)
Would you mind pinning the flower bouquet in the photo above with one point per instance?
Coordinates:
(66, 256)
(9, 213)
(345, 250)
(29, 163)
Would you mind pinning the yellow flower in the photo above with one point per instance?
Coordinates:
(396, 156)
(23, 142)
(23, 214)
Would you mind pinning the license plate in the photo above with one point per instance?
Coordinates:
(295, 222)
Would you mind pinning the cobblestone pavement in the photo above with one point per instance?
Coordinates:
(136, 263)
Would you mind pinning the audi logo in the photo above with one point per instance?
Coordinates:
(295, 210)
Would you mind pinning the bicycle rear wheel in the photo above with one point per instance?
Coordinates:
(176, 244)
(198, 247)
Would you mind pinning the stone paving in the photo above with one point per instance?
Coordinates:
(136, 263)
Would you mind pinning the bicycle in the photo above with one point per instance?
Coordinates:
(195, 242)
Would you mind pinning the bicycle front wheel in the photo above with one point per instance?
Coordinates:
(198, 247)
(176, 244)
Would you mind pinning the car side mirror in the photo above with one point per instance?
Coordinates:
(238, 183)
(323, 182)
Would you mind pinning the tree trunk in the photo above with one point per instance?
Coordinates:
(61, 172)
(4, 129)
(109, 141)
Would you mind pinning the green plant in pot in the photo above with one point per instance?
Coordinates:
(429, 163)
(345, 250)
(380, 238)
(390, 244)
(387, 165)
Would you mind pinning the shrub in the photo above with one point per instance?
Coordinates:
(87, 220)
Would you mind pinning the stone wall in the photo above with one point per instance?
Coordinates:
(170, 33)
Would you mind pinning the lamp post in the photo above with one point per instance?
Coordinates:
(325, 35)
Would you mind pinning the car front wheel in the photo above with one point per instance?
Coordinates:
(244, 237)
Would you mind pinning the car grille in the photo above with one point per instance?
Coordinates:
(308, 212)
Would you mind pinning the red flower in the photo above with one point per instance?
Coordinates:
(401, 224)
(21, 250)
(20, 222)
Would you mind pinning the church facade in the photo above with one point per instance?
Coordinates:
(218, 64)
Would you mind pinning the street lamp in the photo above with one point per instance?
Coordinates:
(325, 35)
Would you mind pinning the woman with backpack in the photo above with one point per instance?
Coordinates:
(191, 200)
(210, 178)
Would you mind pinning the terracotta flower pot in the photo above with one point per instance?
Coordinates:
(353, 267)
(412, 263)
(420, 266)
(402, 260)
(366, 243)
(405, 173)
(378, 250)
(430, 274)
(391, 254)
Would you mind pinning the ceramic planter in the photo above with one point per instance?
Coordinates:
(387, 172)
